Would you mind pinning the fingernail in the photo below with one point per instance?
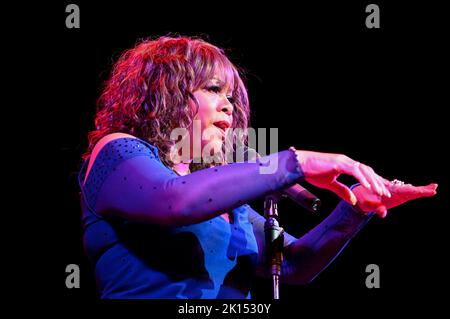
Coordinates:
(353, 199)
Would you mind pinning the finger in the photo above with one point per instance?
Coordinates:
(384, 187)
(381, 184)
(355, 171)
(370, 175)
(428, 190)
(343, 192)
(381, 211)
(410, 192)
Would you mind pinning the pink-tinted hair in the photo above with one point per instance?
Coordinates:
(150, 85)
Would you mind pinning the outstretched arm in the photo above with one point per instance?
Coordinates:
(307, 256)
(128, 180)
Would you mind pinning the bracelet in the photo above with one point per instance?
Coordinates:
(298, 167)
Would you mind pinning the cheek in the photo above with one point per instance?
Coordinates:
(206, 110)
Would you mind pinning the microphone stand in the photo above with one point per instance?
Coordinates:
(274, 236)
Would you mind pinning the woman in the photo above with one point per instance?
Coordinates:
(153, 228)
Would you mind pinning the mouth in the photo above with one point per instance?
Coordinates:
(222, 125)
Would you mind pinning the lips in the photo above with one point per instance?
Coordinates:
(223, 125)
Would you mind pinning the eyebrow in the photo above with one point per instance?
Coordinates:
(219, 81)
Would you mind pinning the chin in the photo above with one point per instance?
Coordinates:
(212, 147)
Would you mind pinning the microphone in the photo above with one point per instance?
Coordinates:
(303, 197)
(297, 193)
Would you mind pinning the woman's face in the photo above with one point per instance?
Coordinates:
(215, 114)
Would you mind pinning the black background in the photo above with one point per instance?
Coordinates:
(315, 72)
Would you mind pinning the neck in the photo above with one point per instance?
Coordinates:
(182, 168)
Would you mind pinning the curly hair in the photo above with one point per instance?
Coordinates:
(150, 85)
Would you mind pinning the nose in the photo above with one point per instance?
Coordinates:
(226, 106)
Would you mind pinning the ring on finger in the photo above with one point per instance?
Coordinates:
(397, 182)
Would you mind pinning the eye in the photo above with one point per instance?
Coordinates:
(231, 99)
(214, 88)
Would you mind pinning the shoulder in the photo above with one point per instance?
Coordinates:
(118, 145)
(104, 141)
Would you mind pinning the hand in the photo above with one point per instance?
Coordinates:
(401, 193)
(323, 169)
